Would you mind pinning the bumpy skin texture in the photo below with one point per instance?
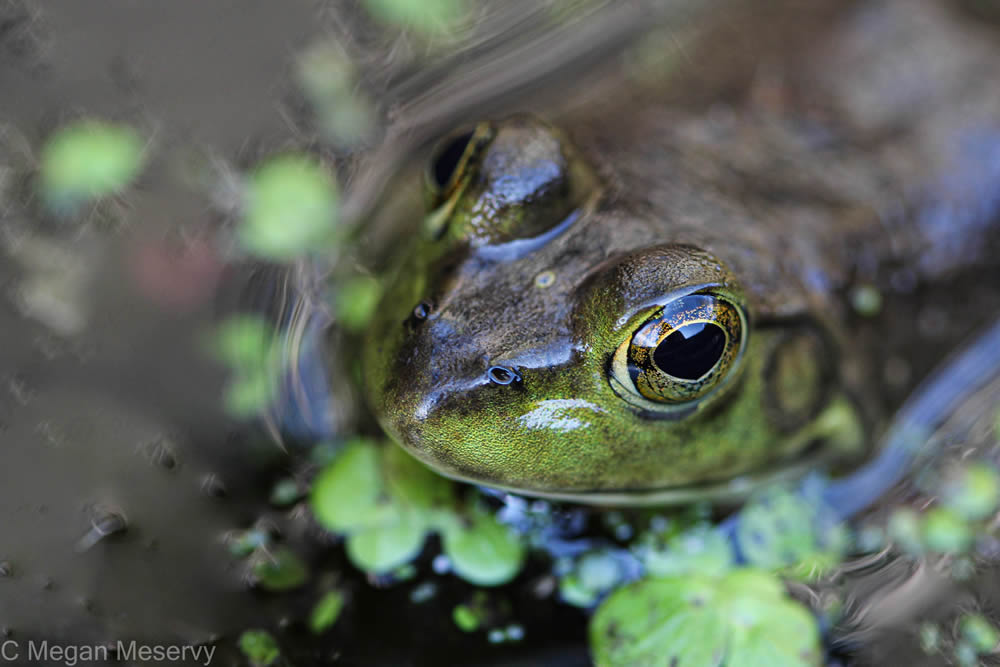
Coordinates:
(554, 312)
(774, 208)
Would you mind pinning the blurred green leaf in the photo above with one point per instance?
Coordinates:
(356, 300)
(328, 79)
(981, 634)
(248, 346)
(945, 531)
(483, 551)
(866, 300)
(594, 574)
(382, 549)
(465, 618)
(259, 647)
(285, 492)
(427, 16)
(782, 529)
(413, 483)
(973, 492)
(244, 341)
(741, 619)
(348, 494)
(88, 159)
(326, 612)
(279, 570)
(904, 528)
(291, 208)
(573, 591)
(701, 549)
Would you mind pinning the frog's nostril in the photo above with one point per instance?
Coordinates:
(502, 375)
(448, 157)
(421, 311)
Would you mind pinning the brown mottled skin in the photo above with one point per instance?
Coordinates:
(874, 152)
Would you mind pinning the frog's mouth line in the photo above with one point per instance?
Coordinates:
(835, 435)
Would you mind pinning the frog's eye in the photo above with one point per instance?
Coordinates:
(684, 351)
(446, 160)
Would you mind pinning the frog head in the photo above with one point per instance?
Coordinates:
(554, 334)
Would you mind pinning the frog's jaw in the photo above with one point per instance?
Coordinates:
(838, 431)
(601, 450)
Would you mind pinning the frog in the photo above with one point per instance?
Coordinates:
(652, 311)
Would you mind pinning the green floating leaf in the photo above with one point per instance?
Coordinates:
(599, 571)
(740, 619)
(89, 159)
(349, 494)
(382, 549)
(979, 632)
(412, 483)
(326, 612)
(573, 591)
(259, 647)
(930, 638)
(595, 573)
(465, 618)
(279, 570)
(866, 300)
(904, 528)
(786, 531)
(385, 501)
(244, 543)
(428, 16)
(483, 551)
(974, 492)
(247, 344)
(248, 395)
(356, 301)
(291, 208)
(945, 531)
(700, 549)
(329, 80)
(285, 492)
(244, 341)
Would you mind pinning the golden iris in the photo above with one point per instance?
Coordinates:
(683, 351)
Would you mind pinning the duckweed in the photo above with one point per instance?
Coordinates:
(981, 634)
(785, 531)
(465, 618)
(259, 647)
(426, 16)
(326, 612)
(285, 492)
(973, 493)
(382, 549)
(700, 549)
(329, 80)
(592, 576)
(279, 570)
(483, 551)
(742, 618)
(87, 160)
(356, 300)
(387, 503)
(945, 531)
(291, 209)
(248, 346)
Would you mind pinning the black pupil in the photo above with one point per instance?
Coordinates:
(691, 351)
(448, 157)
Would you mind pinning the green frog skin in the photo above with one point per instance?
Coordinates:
(651, 311)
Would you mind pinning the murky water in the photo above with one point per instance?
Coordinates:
(122, 475)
